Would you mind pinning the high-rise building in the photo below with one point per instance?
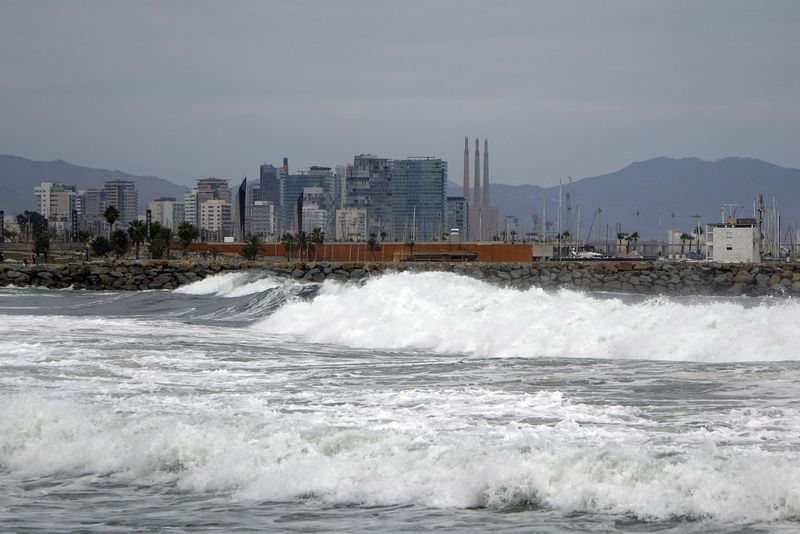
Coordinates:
(215, 219)
(207, 189)
(56, 201)
(292, 189)
(269, 181)
(368, 186)
(418, 199)
(262, 219)
(351, 224)
(341, 186)
(122, 195)
(91, 204)
(167, 211)
(458, 216)
(314, 211)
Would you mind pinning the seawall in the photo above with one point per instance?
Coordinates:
(670, 278)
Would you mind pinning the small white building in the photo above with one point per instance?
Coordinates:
(733, 243)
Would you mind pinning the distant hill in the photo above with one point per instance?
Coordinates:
(658, 187)
(18, 176)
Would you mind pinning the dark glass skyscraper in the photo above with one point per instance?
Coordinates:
(418, 199)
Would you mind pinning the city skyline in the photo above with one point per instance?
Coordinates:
(562, 90)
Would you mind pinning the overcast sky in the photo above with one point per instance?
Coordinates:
(185, 90)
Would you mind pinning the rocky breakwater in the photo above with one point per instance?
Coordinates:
(124, 275)
(670, 278)
(645, 277)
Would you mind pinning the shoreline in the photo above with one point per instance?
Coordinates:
(639, 277)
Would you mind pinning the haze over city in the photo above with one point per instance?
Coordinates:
(185, 90)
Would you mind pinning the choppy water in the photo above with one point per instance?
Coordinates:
(414, 403)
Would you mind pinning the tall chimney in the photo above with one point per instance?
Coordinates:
(486, 172)
(466, 169)
(477, 201)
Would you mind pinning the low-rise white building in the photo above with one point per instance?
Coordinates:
(733, 243)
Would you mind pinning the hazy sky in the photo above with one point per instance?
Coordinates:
(184, 90)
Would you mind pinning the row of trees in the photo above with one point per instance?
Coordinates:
(303, 243)
(162, 240)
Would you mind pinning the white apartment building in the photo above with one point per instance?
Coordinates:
(215, 219)
(167, 211)
(351, 224)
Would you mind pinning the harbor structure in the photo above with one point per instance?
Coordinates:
(734, 242)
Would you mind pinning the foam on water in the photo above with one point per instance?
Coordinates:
(396, 455)
(446, 313)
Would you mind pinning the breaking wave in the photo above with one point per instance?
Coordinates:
(447, 313)
(256, 453)
(230, 285)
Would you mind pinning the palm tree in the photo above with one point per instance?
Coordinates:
(167, 238)
(137, 231)
(684, 238)
(186, 234)
(697, 231)
(620, 237)
(100, 245)
(303, 243)
(373, 245)
(120, 243)
(634, 237)
(287, 240)
(317, 239)
(111, 216)
(252, 246)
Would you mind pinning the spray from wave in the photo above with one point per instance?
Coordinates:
(446, 313)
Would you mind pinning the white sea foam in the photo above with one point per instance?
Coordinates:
(234, 284)
(345, 456)
(446, 313)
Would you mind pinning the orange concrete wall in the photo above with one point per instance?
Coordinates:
(356, 252)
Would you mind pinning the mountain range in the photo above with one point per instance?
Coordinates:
(18, 177)
(666, 192)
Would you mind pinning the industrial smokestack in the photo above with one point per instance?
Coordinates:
(486, 172)
(477, 201)
(466, 169)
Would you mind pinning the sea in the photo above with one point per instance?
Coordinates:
(409, 403)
